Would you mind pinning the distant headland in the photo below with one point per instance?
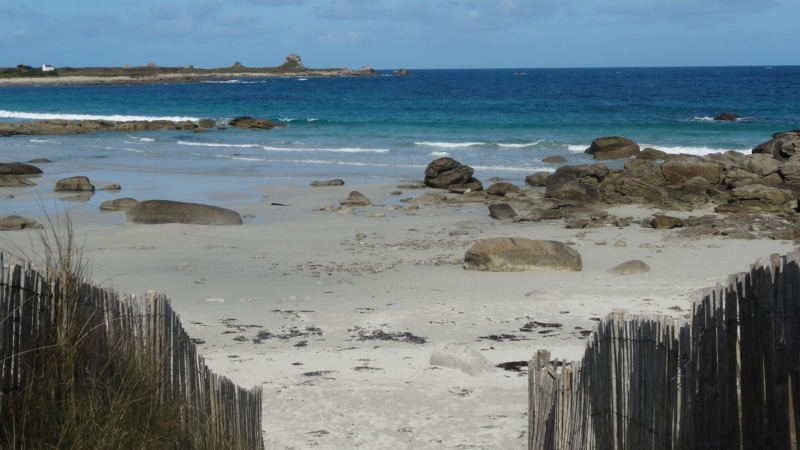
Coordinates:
(47, 74)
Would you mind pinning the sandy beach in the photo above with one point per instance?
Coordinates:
(336, 312)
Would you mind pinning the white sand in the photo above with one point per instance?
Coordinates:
(330, 274)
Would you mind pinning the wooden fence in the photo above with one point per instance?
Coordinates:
(27, 318)
(726, 378)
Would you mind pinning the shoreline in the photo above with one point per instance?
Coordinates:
(177, 77)
(292, 300)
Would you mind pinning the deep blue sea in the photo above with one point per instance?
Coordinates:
(501, 122)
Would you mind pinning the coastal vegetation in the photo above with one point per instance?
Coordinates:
(72, 393)
(292, 66)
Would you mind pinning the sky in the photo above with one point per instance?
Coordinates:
(394, 34)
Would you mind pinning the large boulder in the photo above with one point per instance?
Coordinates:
(613, 147)
(565, 186)
(444, 172)
(518, 254)
(74, 184)
(679, 170)
(782, 145)
(18, 168)
(764, 197)
(167, 211)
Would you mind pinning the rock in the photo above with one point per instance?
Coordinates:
(760, 164)
(458, 355)
(18, 168)
(538, 178)
(502, 211)
(782, 145)
(680, 170)
(293, 61)
(356, 199)
(112, 187)
(632, 267)
(13, 222)
(118, 204)
(247, 122)
(335, 182)
(402, 72)
(444, 172)
(726, 116)
(80, 184)
(167, 211)
(428, 199)
(566, 187)
(15, 181)
(39, 161)
(663, 222)
(501, 188)
(554, 160)
(613, 147)
(518, 254)
(464, 188)
(765, 197)
(589, 174)
(146, 125)
(207, 123)
(653, 155)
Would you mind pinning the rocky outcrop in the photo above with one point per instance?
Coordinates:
(518, 254)
(445, 172)
(782, 145)
(293, 61)
(402, 72)
(726, 116)
(167, 211)
(59, 126)
(613, 147)
(247, 122)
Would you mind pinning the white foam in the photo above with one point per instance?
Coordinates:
(440, 154)
(697, 151)
(217, 144)
(577, 148)
(43, 141)
(450, 144)
(523, 145)
(112, 118)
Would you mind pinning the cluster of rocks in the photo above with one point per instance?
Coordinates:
(768, 180)
(63, 126)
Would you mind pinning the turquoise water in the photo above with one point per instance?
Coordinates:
(498, 121)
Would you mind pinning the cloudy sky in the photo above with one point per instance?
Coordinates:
(390, 34)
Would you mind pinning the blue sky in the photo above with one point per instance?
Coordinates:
(392, 34)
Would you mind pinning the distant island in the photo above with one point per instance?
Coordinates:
(24, 75)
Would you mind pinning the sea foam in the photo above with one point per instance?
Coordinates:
(113, 117)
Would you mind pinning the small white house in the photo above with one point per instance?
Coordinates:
(48, 68)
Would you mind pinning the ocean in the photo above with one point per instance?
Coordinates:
(502, 122)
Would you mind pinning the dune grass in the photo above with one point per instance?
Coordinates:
(87, 386)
